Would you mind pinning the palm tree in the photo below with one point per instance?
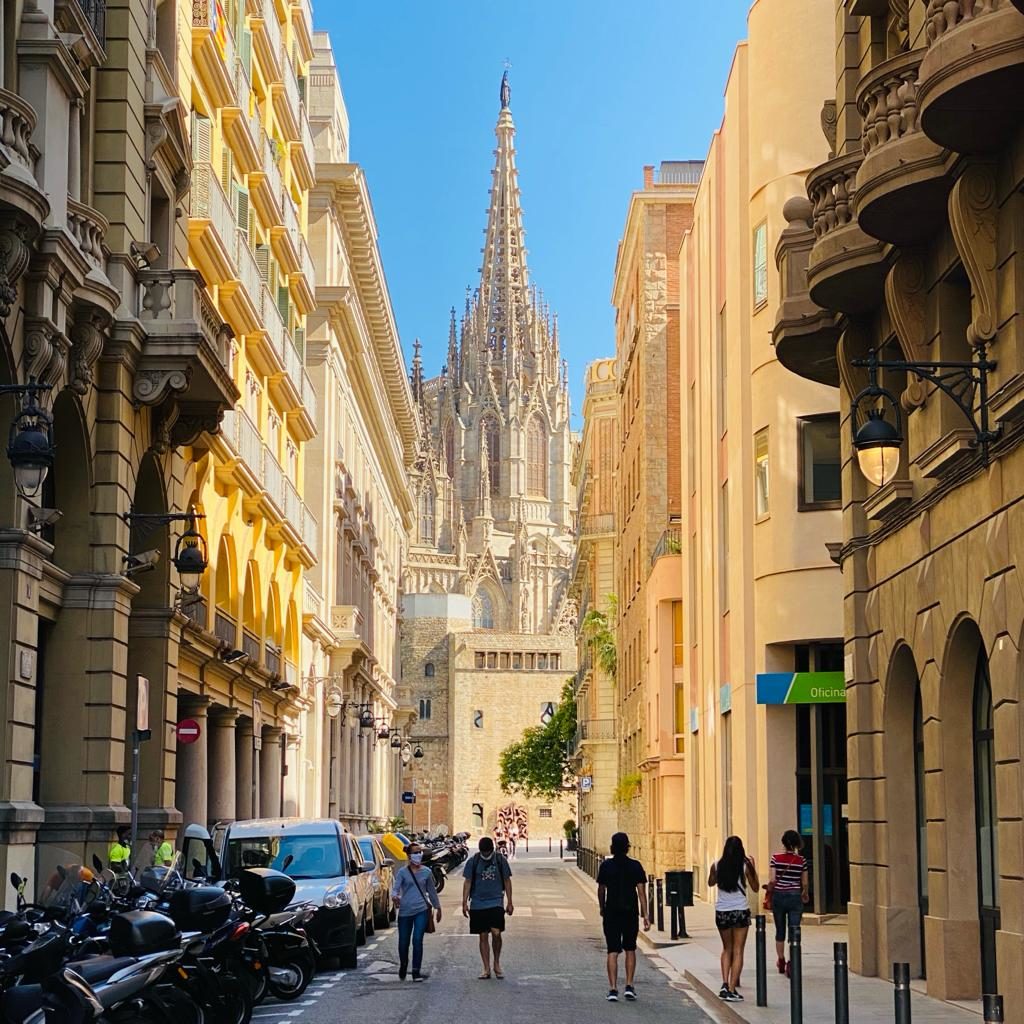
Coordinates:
(599, 629)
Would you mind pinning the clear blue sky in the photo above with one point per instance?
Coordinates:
(599, 88)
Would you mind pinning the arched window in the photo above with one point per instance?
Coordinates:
(491, 450)
(483, 610)
(536, 458)
(428, 670)
(427, 516)
(449, 449)
(478, 815)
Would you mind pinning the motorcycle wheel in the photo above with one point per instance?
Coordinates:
(292, 977)
(439, 878)
(234, 1005)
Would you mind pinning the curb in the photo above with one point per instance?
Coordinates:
(723, 1009)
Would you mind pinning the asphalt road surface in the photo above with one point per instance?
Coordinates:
(553, 963)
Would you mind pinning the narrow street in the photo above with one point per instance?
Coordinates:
(553, 964)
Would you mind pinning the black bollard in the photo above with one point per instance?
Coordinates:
(842, 972)
(993, 1007)
(674, 922)
(901, 992)
(561, 852)
(549, 844)
(661, 905)
(796, 981)
(761, 959)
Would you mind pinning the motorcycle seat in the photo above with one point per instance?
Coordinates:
(21, 1000)
(101, 968)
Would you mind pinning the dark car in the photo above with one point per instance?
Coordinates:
(382, 876)
(327, 865)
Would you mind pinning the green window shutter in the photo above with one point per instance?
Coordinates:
(245, 50)
(202, 138)
(283, 302)
(242, 209)
(262, 254)
(302, 89)
(299, 336)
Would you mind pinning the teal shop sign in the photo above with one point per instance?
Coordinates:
(801, 688)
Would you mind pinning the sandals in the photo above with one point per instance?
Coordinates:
(499, 974)
(484, 977)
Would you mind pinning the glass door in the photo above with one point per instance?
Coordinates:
(986, 820)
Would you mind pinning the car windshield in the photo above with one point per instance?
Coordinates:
(312, 856)
(366, 848)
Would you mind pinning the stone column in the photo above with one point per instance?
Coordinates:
(75, 149)
(243, 769)
(193, 764)
(222, 786)
(270, 773)
(347, 770)
(292, 778)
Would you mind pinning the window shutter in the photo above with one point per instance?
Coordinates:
(299, 336)
(302, 90)
(245, 50)
(262, 254)
(227, 167)
(283, 302)
(242, 208)
(201, 138)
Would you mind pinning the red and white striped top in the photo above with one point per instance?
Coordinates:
(788, 869)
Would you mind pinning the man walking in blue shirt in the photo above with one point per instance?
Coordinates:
(486, 899)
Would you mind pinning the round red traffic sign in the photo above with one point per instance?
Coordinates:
(187, 730)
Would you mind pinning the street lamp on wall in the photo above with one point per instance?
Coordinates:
(30, 447)
(191, 556)
(877, 441)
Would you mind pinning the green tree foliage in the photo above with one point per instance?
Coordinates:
(599, 628)
(538, 764)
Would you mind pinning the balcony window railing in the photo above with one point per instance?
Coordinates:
(196, 612)
(210, 203)
(251, 645)
(273, 26)
(273, 658)
(249, 271)
(669, 543)
(95, 12)
(225, 628)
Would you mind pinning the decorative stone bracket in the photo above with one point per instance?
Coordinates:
(972, 218)
(905, 295)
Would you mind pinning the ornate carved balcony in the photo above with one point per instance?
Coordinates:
(186, 355)
(20, 194)
(845, 270)
(804, 334)
(901, 185)
(971, 85)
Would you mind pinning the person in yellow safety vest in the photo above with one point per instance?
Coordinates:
(163, 851)
(120, 853)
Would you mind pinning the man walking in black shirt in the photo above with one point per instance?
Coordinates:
(622, 897)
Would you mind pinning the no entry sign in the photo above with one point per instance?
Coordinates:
(187, 730)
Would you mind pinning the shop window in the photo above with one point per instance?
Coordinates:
(760, 264)
(425, 709)
(761, 478)
(820, 467)
(428, 670)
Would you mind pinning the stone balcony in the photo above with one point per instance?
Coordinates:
(213, 51)
(348, 627)
(845, 271)
(971, 83)
(185, 354)
(804, 334)
(902, 185)
(20, 194)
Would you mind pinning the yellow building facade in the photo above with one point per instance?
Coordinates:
(593, 586)
(760, 469)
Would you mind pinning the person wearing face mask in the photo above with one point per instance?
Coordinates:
(415, 895)
(486, 899)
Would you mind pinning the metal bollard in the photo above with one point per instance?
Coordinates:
(993, 1007)
(796, 981)
(549, 844)
(659, 887)
(901, 992)
(561, 851)
(761, 959)
(842, 975)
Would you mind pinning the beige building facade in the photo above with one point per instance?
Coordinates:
(648, 513)
(909, 244)
(367, 437)
(761, 596)
(494, 526)
(595, 748)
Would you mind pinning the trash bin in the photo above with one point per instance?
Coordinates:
(679, 888)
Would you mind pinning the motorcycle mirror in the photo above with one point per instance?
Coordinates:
(287, 862)
(198, 868)
(369, 865)
(97, 864)
(196, 832)
(15, 879)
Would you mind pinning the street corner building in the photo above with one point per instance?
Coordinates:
(169, 530)
(488, 622)
(905, 252)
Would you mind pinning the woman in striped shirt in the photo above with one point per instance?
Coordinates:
(788, 886)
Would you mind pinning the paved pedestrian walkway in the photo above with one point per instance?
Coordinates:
(871, 999)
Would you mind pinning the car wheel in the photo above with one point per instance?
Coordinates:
(382, 919)
(371, 921)
(361, 930)
(348, 958)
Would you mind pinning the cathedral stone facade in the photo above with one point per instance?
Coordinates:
(488, 623)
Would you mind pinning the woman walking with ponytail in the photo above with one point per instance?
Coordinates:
(734, 875)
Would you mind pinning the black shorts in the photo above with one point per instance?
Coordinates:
(483, 921)
(726, 919)
(620, 931)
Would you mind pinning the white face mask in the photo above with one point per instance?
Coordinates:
(416, 858)
(487, 856)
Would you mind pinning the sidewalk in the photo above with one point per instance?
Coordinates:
(871, 999)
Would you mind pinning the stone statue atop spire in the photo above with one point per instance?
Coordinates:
(506, 92)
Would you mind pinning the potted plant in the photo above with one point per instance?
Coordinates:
(571, 835)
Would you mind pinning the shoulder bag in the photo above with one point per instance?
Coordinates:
(430, 907)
